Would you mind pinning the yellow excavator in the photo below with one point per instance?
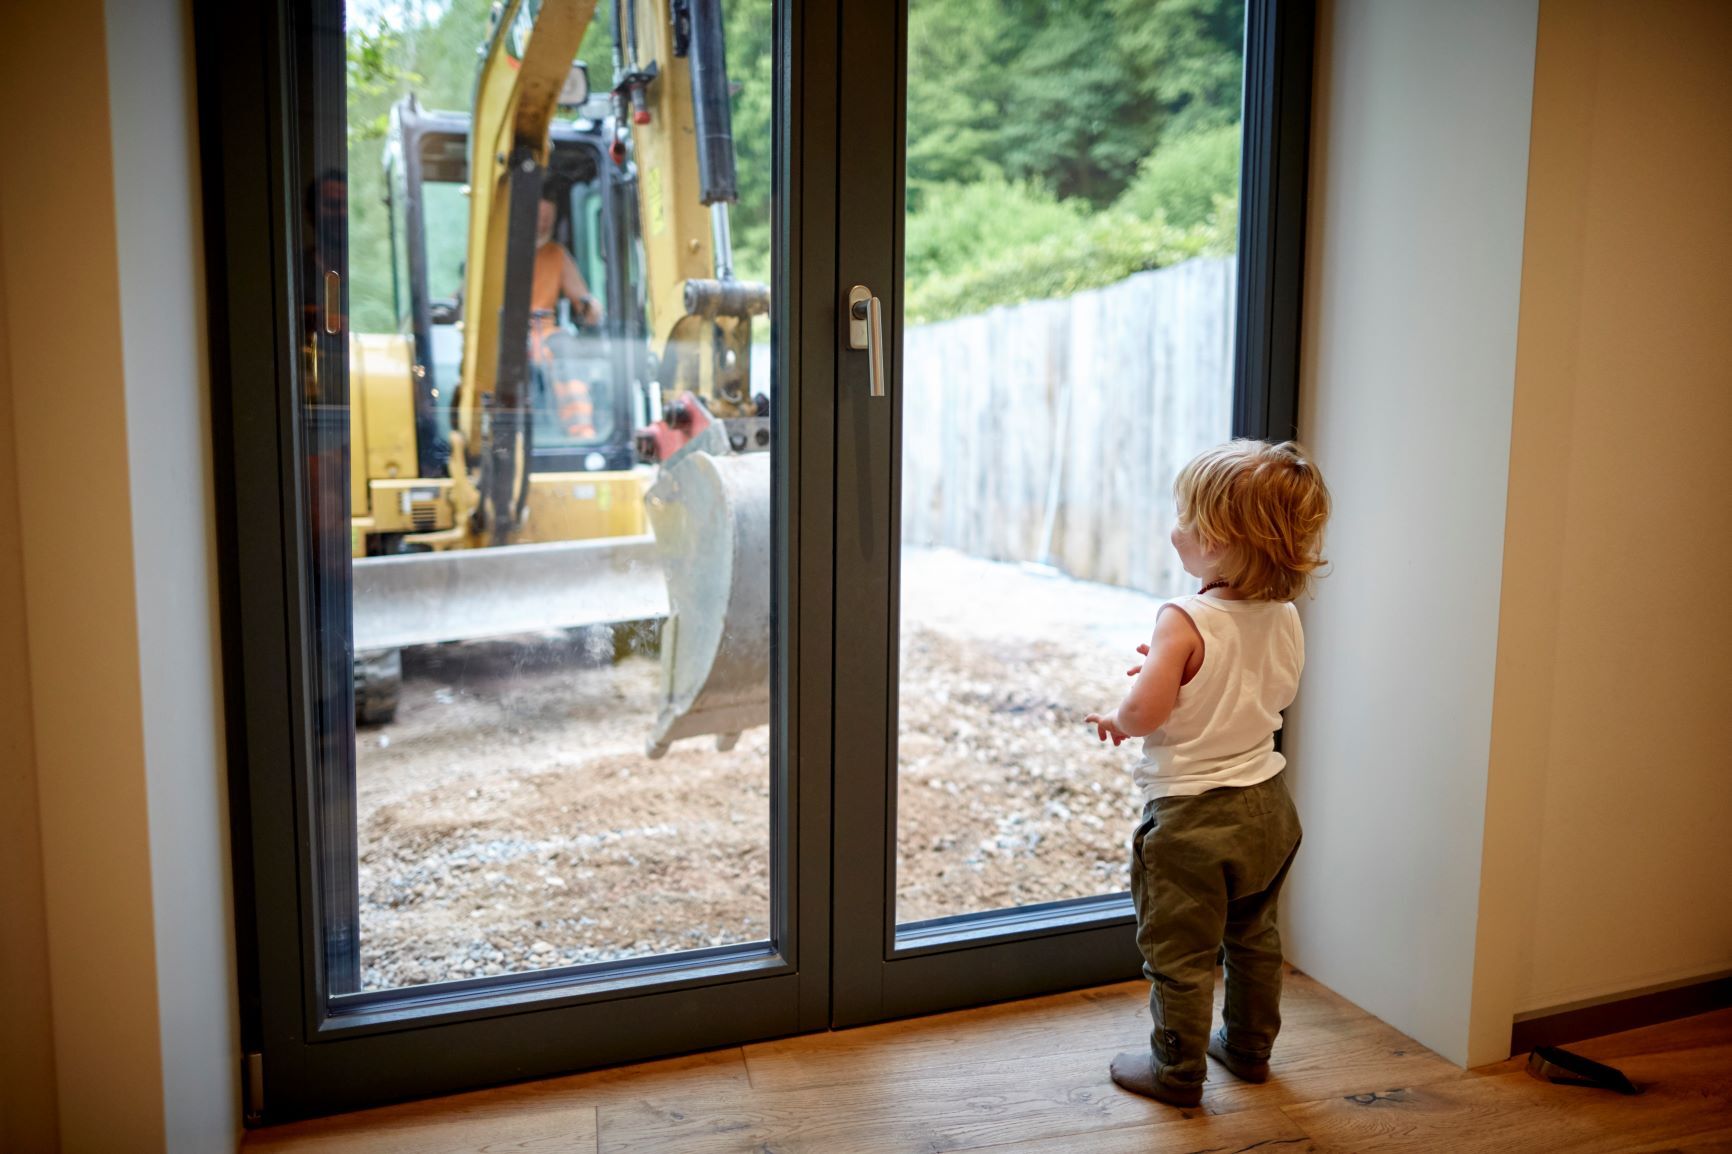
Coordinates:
(487, 501)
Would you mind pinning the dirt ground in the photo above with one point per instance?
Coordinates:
(510, 821)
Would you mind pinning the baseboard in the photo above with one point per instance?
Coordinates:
(1625, 1013)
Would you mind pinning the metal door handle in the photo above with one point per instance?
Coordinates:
(866, 331)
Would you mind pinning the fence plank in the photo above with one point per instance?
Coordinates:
(1093, 402)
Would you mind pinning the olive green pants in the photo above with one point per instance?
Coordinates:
(1205, 873)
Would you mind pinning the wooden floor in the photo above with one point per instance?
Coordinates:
(1032, 1076)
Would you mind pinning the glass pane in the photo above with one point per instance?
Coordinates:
(538, 474)
(1068, 293)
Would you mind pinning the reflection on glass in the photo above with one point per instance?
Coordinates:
(540, 495)
(1073, 179)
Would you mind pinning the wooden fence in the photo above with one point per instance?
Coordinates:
(1051, 431)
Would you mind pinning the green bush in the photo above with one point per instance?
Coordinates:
(955, 225)
(1182, 180)
(992, 242)
(1089, 253)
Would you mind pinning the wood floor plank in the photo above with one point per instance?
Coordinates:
(555, 1114)
(1025, 1097)
(1331, 1059)
(954, 1108)
(917, 1046)
(867, 1101)
(1267, 1131)
(1031, 1077)
(546, 1129)
(1112, 1018)
(1718, 1142)
(1688, 1095)
(1034, 1072)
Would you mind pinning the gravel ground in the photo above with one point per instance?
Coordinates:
(509, 820)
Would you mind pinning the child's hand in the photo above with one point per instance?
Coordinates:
(1106, 726)
(1136, 669)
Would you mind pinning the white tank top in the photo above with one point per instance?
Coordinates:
(1222, 730)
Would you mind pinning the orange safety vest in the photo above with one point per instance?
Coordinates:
(576, 410)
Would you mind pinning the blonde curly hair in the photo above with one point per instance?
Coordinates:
(1263, 507)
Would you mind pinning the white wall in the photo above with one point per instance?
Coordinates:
(154, 118)
(1419, 168)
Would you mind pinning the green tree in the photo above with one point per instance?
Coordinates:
(1055, 146)
(748, 27)
(1073, 117)
(1190, 57)
(956, 92)
(1071, 94)
(376, 72)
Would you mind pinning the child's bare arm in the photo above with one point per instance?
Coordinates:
(1156, 690)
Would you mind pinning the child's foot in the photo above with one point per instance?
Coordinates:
(1241, 1067)
(1136, 1073)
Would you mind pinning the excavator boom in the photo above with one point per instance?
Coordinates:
(516, 94)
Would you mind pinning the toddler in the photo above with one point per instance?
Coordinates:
(1219, 831)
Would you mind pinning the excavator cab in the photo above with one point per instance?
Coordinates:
(427, 178)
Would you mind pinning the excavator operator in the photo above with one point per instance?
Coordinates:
(550, 351)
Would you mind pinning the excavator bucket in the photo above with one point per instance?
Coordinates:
(710, 511)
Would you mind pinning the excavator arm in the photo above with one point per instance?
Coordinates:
(710, 504)
(527, 60)
(671, 95)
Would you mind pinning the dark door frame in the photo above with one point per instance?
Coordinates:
(881, 972)
(842, 131)
(306, 1053)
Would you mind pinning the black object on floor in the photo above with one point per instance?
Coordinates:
(1550, 1064)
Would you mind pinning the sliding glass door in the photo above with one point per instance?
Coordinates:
(1063, 220)
(686, 469)
(517, 618)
